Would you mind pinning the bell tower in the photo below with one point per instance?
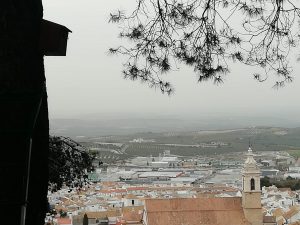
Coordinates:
(251, 196)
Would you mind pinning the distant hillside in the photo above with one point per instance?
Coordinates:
(91, 126)
(205, 142)
(220, 141)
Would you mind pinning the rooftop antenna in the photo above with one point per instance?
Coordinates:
(250, 147)
(252, 134)
(250, 143)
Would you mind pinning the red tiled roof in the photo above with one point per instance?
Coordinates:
(114, 191)
(295, 223)
(278, 212)
(269, 219)
(103, 214)
(284, 189)
(195, 211)
(132, 214)
(136, 188)
(131, 196)
(61, 221)
(291, 212)
(280, 220)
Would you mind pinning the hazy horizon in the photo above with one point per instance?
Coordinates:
(102, 125)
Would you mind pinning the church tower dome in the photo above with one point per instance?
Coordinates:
(250, 161)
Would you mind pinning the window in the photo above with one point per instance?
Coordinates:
(252, 184)
(243, 183)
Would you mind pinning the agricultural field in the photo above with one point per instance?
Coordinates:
(295, 153)
(199, 142)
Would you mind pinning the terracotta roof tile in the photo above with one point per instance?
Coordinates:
(269, 219)
(278, 212)
(131, 196)
(291, 212)
(280, 220)
(136, 188)
(103, 214)
(133, 214)
(113, 191)
(195, 211)
(295, 223)
(284, 189)
(62, 221)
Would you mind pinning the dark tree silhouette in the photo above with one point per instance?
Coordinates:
(207, 34)
(85, 220)
(265, 182)
(289, 182)
(69, 163)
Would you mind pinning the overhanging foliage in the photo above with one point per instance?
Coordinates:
(69, 163)
(207, 35)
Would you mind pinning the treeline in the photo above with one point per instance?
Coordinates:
(289, 182)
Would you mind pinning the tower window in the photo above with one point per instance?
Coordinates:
(252, 184)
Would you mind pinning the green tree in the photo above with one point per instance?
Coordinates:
(205, 35)
(62, 213)
(290, 178)
(265, 182)
(297, 185)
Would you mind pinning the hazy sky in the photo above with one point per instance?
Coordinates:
(89, 81)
